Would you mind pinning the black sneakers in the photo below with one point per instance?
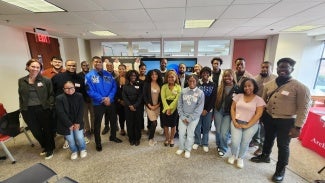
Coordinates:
(105, 130)
(278, 176)
(263, 158)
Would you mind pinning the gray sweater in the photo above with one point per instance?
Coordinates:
(190, 104)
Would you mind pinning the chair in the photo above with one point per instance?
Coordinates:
(66, 180)
(6, 138)
(37, 173)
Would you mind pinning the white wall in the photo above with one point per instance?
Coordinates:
(71, 49)
(305, 50)
(14, 53)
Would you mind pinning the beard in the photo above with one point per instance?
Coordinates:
(263, 75)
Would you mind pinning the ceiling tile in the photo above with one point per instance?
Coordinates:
(167, 14)
(245, 11)
(196, 13)
(73, 5)
(139, 15)
(119, 4)
(202, 3)
(163, 3)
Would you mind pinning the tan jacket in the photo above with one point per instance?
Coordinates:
(292, 100)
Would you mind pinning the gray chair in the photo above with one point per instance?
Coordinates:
(66, 180)
(37, 173)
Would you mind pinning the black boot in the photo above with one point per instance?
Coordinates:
(279, 174)
(261, 158)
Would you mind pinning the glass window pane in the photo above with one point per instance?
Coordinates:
(115, 48)
(178, 48)
(213, 47)
(146, 48)
(320, 80)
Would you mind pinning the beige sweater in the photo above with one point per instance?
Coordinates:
(292, 100)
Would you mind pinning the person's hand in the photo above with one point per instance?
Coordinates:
(168, 112)
(71, 127)
(132, 108)
(76, 126)
(204, 112)
(106, 101)
(185, 121)
(237, 125)
(294, 132)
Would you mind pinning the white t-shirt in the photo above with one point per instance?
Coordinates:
(246, 110)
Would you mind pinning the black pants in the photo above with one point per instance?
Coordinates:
(279, 128)
(133, 124)
(39, 123)
(121, 115)
(99, 111)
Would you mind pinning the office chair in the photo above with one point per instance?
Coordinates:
(37, 173)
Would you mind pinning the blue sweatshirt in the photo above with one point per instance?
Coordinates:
(190, 104)
(100, 84)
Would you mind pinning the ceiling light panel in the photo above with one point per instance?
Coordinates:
(36, 6)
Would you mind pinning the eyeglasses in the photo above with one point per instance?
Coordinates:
(72, 88)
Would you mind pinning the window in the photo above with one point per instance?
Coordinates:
(146, 48)
(213, 47)
(178, 48)
(320, 80)
(115, 48)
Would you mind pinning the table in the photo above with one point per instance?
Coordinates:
(313, 132)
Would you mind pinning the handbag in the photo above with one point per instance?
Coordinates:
(10, 124)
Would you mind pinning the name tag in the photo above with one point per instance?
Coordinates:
(77, 85)
(286, 93)
(39, 84)
(154, 91)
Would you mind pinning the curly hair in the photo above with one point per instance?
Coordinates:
(159, 80)
(130, 72)
(242, 85)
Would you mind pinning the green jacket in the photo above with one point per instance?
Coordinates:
(44, 90)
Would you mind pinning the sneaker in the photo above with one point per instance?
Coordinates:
(179, 151)
(83, 154)
(86, 140)
(231, 160)
(105, 130)
(74, 156)
(65, 145)
(49, 155)
(152, 142)
(221, 154)
(42, 153)
(205, 148)
(240, 163)
(187, 154)
(195, 146)
(261, 158)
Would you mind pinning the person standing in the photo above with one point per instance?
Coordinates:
(227, 89)
(170, 92)
(152, 100)
(282, 122)
(132, 97)
(246, 110)
(35, 101)
(216, 62)
(101, 87)
(88, 106)
(120, 81)
(204, 125)
(69, 108)
(142, 78)
(241, 73)
(264, 77)
(190, 106)
(163, 68)
(182, 76)
(57, 67)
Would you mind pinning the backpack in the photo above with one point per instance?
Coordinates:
(10, 124)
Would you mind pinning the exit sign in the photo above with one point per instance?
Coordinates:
(42, 38)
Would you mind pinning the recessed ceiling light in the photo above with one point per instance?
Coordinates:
(103, 33)
(198, 23)
(300, 28)
(36, 6)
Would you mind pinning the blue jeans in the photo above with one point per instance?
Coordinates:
(186, 134)
(204, 126)
(222, 123)
(240, 139)
(76, 140)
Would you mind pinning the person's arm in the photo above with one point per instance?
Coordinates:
(233, 114)
(91, 89)
(80, 110)
(180, 107)
(113, 90)
(125, 95)
(173, 105)
(163, 95)
(198, 108)
(62, 116)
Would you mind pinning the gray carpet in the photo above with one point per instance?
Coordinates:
(125, 163)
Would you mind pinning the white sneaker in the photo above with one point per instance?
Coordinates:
(231, 159)
(74, 156)
(205, 148)
(240, 163)
(65, 145)
(86, 140)
(179, 151)
(195, 146)
(187, 154)
(83, 154)
(152, 142)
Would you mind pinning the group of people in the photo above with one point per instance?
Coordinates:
(242, 106)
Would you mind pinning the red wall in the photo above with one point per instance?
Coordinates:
(253, 50)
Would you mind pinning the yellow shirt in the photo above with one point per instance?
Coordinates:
(167, 94)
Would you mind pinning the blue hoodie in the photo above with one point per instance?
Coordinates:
(100, 85)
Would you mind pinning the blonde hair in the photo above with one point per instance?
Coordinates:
(171, 72)
(221, 88)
